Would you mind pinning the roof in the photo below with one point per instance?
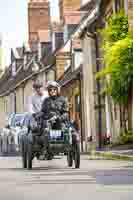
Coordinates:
(88, 5)
(11, 82)
(18, 52)
(70, 75)
(65, 48)
(26, 47)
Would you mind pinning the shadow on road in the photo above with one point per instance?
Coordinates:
(114, 177)
(56, 174)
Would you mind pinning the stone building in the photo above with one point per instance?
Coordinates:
(99, 118)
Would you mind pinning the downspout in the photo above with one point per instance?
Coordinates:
(81, 110)
(98, 89)
(15, 107)
(99, 97)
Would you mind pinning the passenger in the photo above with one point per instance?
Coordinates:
(37, 99)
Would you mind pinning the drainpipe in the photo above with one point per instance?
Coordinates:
(99, 97)
(98, 84)
(81, 107)
(15, 109)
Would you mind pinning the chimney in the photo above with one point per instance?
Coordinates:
(38, 19)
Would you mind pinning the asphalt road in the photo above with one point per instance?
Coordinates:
(53, 180)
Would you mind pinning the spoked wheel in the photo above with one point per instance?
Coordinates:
(76, 151)
(24, 152)
(29, 156)
(49, 156)
(69, 159)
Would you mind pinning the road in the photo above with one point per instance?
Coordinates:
(53, 180)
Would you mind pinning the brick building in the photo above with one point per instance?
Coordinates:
(38, 20)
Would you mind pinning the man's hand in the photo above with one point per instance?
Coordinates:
(54, 119)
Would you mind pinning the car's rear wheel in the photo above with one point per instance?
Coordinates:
(29, 156)
(69, 159)
(76, 150)
(24, 152)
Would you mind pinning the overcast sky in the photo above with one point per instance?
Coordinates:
(13, 23)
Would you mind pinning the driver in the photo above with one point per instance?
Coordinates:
(55, 107)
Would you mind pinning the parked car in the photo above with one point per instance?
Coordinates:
(17, 127)
(23, 128)
(12, 127)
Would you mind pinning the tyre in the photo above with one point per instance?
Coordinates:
(69, 159)
(29, 156)
(76, 150)
(24, 152)
(49, 156)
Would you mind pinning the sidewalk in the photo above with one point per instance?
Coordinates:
(121, 153)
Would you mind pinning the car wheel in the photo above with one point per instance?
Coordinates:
(69, 159)
(76, 150)
(24, 152)
(29, 156)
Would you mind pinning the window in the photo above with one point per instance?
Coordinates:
(68, 30)
(78, 58)
(46, 47)
(77, 103)
(59, 39)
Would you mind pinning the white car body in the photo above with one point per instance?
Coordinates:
(15, 128)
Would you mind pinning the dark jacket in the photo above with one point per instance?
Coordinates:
(56, 106)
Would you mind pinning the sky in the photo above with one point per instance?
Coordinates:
(13, 23)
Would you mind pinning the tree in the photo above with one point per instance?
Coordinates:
(118, 59)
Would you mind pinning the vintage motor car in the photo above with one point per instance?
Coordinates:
(42, 140)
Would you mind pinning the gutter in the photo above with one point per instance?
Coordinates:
(88, 21)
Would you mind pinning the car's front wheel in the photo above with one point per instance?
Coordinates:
(76, 150)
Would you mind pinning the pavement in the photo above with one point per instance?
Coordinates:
(53, 180)
(122, 154)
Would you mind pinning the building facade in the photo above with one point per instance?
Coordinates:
(38, 20)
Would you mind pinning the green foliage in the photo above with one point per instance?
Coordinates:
(117, 28)
(118, 58)
(119, 64)
(125, 137)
